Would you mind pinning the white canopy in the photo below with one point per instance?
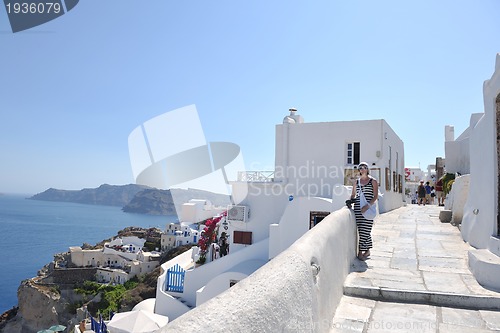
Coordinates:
(136, 322)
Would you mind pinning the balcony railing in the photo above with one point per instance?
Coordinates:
(256, 176)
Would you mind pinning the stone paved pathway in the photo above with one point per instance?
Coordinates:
(417, 280)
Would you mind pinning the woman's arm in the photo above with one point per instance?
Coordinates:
(375, 192)
(353, 192)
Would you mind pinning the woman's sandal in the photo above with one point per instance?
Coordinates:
(361, 256)
(367, 254)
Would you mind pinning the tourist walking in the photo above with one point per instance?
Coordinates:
(427, 193)
(421, 193)
(223, 245)
(369, 187)
(439, 192)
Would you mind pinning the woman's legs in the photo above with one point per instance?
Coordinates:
(365, 238)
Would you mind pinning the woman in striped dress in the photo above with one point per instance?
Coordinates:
(369, 186)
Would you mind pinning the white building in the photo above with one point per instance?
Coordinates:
(314, 158)
(457, 151)
(197, 210)
(167, 240)
(119, 260)
(481, 221)
(413, 176)
(314, 163)
(187, 231)
(188, 234)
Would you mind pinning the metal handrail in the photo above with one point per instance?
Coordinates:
(256, 176)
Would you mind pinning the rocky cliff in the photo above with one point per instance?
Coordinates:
(167, 202)
(40, 306)
(108, 195)
(52, 297)
(133, 198)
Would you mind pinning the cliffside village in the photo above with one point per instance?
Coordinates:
(125, 257)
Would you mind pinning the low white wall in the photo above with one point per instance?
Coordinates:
(389, 201)
(283, 295)
(456, 199)
(175, 307)
(163, 301)
(198, 277)
(295, 222)
(216, 286)
(222, 282)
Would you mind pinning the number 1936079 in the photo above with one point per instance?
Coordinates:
(33, 8)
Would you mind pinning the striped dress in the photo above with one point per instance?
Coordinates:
(364, 225)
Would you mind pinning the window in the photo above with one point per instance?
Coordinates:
(316, 217)
(353, 153)
(242, 237)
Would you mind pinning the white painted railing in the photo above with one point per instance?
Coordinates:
(256, 176)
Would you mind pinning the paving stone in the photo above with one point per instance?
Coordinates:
(492, 319)
(351, 309)
(450, 328)
(379, 262)
(358, 281)
(445, 282)
(392, 274)
(415, 259)
(345, 325)
(404, 263)
(402, 285)
(461, 317)
(442, 262)
(443, 269)
(394, 317)
(409, 253)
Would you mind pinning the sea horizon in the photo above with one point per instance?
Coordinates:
(34, 231)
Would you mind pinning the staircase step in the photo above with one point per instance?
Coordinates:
(494, 245)
(485, 266)
(476, 302)
(183, 301)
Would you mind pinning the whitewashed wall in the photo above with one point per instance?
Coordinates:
(222, 282)
(479, 221)
(457, 151)
(82, 258)
(283, 295)
(456, 199)
(311, 157)
(266, 201)
(295, 222)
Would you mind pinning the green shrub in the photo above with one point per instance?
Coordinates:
(448, 180)
(150, 246)
(55, 290)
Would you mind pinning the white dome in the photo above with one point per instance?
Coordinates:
(288, 120)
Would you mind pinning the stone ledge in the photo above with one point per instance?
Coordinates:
(473, 302)
(485, 266)
(494, 245)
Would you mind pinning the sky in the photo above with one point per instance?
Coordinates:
(73, 89)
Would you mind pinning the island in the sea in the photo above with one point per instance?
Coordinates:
(133, 198)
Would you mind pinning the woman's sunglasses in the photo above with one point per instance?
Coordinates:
(363, 167)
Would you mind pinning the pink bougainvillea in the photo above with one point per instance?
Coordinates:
(209, 235)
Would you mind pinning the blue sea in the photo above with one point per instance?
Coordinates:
(33, 231)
